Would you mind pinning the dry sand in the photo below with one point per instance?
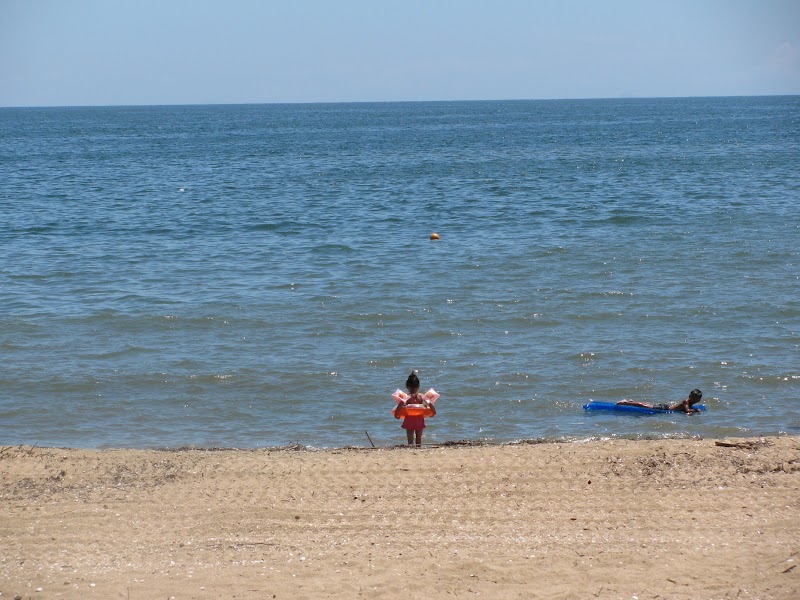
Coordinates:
(611, 519)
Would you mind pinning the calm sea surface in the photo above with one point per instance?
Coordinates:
(262, 275)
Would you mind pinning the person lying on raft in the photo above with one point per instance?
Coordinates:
(684, 405)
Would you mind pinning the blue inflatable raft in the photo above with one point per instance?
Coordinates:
(634, 409)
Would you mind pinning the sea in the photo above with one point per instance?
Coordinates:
(262, 276)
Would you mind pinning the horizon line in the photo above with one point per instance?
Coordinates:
(331, 102)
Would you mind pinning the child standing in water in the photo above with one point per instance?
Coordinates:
(416, 423)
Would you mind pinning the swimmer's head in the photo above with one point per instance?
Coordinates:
(695, 396)
(412, 383)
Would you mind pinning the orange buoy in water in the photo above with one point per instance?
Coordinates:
(434, 236)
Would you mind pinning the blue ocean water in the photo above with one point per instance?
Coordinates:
(262, 275)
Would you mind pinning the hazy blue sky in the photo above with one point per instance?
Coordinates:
(97, 52)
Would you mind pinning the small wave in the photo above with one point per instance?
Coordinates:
(127, 350)
(623, 220)
(266, 227)
(332, 248)
(37, 229)
(585, 356)
(393, 361)
(283, 227)
(210, 378)
(159, 231)
(771, 379)
(39, 277)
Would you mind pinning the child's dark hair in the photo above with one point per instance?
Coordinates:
(696, 394)
(412, 382)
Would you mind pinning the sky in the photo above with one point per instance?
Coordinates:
(143, 52)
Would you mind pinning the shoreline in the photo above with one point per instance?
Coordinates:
(659, 518)
(462, 443)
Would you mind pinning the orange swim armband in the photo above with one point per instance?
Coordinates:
(411, 410)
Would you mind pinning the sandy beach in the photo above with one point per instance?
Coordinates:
(606, 519)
